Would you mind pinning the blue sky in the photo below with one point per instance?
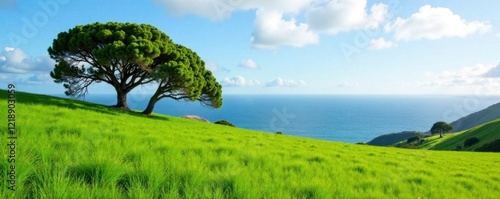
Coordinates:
(283, 46)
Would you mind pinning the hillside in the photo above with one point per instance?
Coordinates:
(73, 149)
(486, 133)
(389, 139)
(483, 116)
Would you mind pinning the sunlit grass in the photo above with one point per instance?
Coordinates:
(70, 149)
(485, 133)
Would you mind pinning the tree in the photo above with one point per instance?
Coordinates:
(183, 77)
(441, 128)
(118, 54)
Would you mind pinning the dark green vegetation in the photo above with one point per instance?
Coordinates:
(468, 140)
(389, 139)
(73, 149)
(471, 141)
(128, 55)
(414, 139)
(441, 128)
(224, 122)
(490, 147)
(475, 119)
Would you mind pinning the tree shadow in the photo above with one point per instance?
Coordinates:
(28, 98)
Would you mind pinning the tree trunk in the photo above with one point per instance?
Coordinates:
(121, 100)
(151, 105)
(440, 134)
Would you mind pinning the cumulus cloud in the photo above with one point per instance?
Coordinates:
(214, 67)
(15, 60)
(473, 75)
(35, 79)
(220, 9)
(434, 23)
(272, 31)
(239, 81)
(345, 15)
(279, 82)
(381, 43)
(299, 23)
(248, 63)
(493, 72)
(212, 9)
(276, 24)
(26, 79)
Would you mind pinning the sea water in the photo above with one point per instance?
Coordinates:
(345, 118)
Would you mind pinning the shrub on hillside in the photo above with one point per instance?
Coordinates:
(471, 141)
(410, 147)
(279, 133)
(413, 139)
(459, 147)
(224, 122)
(490, 147)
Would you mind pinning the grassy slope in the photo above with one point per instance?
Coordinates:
(475, 119)
(486, 133)
(71, 149)
(484, 116)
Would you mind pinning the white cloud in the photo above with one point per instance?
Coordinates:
(381, 43)
(466, 76)
(248, 63)
(295, 23)
(35, 79)
(345, 15)
(15, 60)
(272, 31)
(212, 9)
(220, 9)
(288, 6)
(214, 67)
(434, 23)
(4, 77)
(493, 72)
(279, 82)
(299, 23)
(26, 79)
(497, 35)
(239, 81)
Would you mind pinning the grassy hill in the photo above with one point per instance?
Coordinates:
(486, 115)
(486, 133)
(390, 139)
(73, 149)
(472, 120)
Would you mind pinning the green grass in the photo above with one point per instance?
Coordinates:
(486, 133)
(72, 149)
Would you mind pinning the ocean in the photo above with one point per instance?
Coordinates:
(345, 118)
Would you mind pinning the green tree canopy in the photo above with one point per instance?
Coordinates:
(441, 128)
(119, 54)
(183, 77)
